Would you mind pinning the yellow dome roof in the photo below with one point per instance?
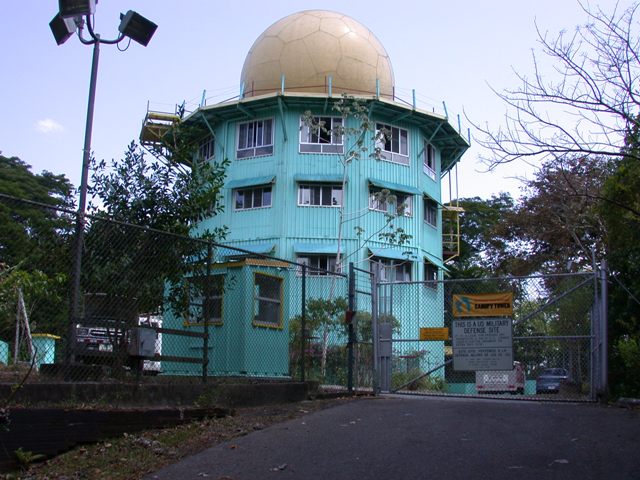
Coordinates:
(308, 47)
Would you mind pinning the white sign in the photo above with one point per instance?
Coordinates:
(482, 344)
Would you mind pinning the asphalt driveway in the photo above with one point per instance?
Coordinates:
(394, 437)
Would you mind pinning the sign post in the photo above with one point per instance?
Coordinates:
(482, 333)
(482, 344)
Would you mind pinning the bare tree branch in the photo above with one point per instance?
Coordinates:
(587, 103)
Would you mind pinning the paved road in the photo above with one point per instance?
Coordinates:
(431, 438)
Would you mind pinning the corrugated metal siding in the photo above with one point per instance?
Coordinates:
(292, 223)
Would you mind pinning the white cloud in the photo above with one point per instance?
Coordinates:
(49, 126)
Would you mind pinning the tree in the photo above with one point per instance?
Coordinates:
(31, 232)
(484, 251)
(623, 248)
(556, 224)
(586, 105)
(583, 122)
(35, 232)
(156, 206)
(323, 316)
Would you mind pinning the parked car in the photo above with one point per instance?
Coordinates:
(550, 379)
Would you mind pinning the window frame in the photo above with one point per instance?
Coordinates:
(256, 322)
(407, 201)
(207, 148)
(253, 189)
(317, 270)
(321, 186)
(431, 270)
(256, 145)
(429, 160)
(430, 205)
(405, 267)
(198, 301)
(398, 157)
(391, 207)
(335, 145)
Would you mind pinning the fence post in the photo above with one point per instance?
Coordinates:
(303, 323)
(375, 337)
(206, 313)
(351, 337)
(604, 334)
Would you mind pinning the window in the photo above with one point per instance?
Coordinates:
(254, 197)
(430, 275)
(403, 204)
(378, 200)
(321, 195)
(321, 264)
(255, 138)
(430, 212)
(392, 270)
(205, 299)
(395, 203)
(267, 300)
(393, 143)
(206, 148)
(324, 135)
(429, 163)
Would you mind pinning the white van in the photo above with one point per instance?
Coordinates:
(501, 381)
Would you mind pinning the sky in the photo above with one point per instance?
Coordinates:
(451, 52)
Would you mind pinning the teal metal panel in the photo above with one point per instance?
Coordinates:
(436, 261)
(251, 182)
(326, 178)
(286, 223)
(263, 248)
(267, 349)
(316, 248)
(394, 253)
(394, 186)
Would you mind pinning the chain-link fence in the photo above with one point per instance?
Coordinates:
(160, 307)
(552, 330)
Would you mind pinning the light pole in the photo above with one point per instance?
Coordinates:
(71, 18)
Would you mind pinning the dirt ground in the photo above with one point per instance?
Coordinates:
(132, 456)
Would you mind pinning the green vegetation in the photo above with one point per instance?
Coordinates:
(413, 380)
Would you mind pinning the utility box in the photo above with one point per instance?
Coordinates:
(142, 342)
(45, 346)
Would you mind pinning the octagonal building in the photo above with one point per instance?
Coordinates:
(313, 184)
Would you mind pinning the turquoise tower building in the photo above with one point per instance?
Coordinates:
(298, 193)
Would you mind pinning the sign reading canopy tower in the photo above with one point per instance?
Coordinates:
(482, 340)
(483, 305)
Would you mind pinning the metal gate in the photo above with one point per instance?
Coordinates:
(362, 328)
(559, 337)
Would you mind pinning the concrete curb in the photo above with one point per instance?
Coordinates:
(160, 395)
(628, 402)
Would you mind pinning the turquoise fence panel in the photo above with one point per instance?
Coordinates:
(4, 352)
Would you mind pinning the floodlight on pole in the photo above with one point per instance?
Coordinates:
(62, 28)
(136, 27)
(68, 21)
(76, 8)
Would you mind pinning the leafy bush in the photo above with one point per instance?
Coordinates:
(626, 365)
(427, 383)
